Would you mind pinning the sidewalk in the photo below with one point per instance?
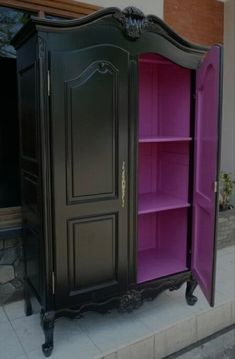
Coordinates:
(156, 330)
(222, 346)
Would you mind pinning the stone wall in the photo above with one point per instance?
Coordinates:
(11, 264)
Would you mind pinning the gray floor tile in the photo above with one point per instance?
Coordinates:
(164, 313)
(82, 352)
(70, 341)
(10, 347)
(112, 331)
(110, 356)
(29, 331)
(143, 349)
(115, 335)
(181, 335)
(214, 320)
(3, 317)
(14, 310)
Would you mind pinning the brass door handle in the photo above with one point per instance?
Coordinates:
(123, 184)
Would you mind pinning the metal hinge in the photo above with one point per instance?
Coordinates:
(215, 186)
(48, 83)
(53, 283)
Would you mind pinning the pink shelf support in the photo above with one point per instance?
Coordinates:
(155, 202)
(150, 139)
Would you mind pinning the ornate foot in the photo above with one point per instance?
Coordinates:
(130, 301)
(190, 298)
(27, 300)
(47, 322)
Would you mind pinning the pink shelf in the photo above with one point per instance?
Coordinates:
(155, 202)
(153, 264)
(149, 139)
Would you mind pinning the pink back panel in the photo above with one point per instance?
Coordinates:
(148, 179)
(162, 239)
(173, 233)
(164, 167)
(163, 83)
(174, 97)
(164, 230)
(146, 106)
(174, 169)
(147, 225)
(207, 104)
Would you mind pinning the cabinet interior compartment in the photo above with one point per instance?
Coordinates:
(163, 167)
(162, 244)
(164, 99)
(163, 176)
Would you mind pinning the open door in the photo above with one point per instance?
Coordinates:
(206, 171)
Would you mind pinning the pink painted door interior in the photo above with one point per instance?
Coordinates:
(206, 149)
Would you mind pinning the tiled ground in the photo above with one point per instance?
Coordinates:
(217, 347)
(157, 329)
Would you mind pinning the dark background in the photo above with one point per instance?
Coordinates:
(9, 128)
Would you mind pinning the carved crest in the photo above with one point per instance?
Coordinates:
(134, 22)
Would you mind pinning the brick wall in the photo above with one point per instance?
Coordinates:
(200, 21)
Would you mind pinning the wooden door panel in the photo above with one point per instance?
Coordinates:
(89, 102)
(206, 171)
(92, 246)
(28, 116)
(91, 149)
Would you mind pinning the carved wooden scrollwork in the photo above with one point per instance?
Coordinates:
(134, 22)
(130, 301)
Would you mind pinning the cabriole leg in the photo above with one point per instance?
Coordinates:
(191, 286)
(47, 322)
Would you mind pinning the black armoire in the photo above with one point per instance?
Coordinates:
(119, 129)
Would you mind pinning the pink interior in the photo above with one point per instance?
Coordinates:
(164, 98)
(206, 142)
(163, 170)
(162, 244)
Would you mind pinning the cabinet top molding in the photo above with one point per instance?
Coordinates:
(131, 21)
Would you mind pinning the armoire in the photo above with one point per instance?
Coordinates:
(119, 152)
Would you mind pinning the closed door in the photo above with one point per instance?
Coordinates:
(89, 109)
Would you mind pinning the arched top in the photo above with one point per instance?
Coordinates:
(131, 21)
(101, 67)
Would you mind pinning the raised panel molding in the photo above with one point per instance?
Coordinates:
(92, 253)
(92, 176)
(31, 196)
(28, 118)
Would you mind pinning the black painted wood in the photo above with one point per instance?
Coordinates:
(89, 119)
(78, 91)
(9, 136)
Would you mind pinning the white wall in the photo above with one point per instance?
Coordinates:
(153, 7)
(228, 119)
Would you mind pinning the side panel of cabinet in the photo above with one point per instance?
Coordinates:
(28, 75)
(89, 104)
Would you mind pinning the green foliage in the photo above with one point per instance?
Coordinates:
(10, 22)
(226, 189)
